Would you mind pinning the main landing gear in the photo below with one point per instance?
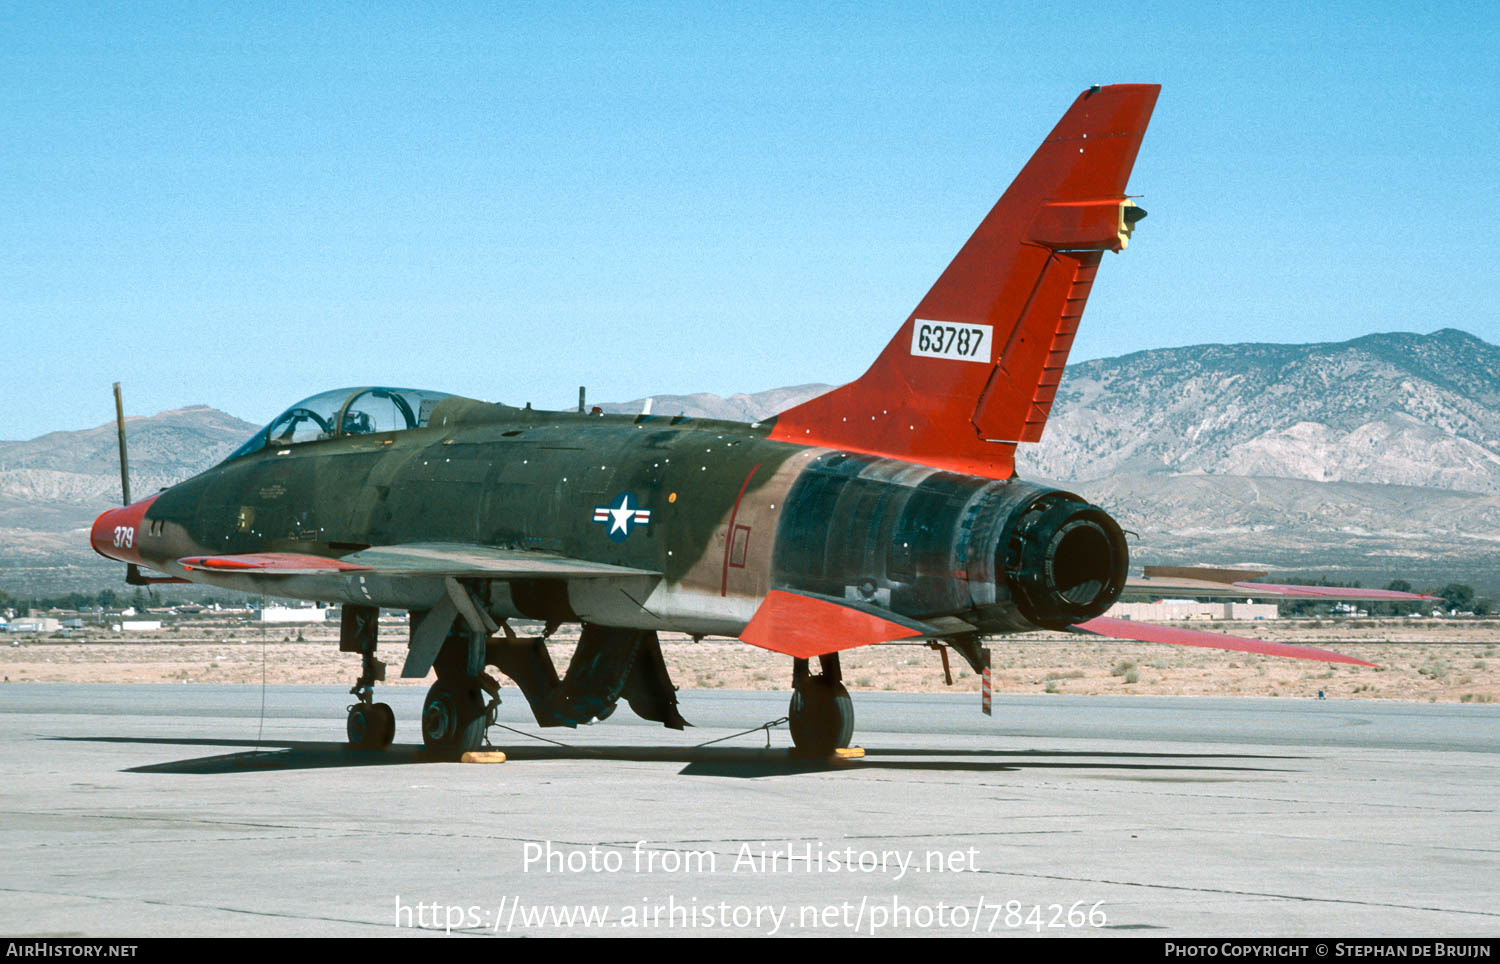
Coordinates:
(821, 716)
(453, 716)
(462, 704)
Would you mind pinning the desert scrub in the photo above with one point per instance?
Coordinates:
(1436, 671)
(1122, 667)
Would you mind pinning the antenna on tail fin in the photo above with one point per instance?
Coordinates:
(972, 372)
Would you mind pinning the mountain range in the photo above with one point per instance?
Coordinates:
(1367, 460)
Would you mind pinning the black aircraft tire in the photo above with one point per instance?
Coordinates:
(821, 717)
(453, 717)
(386, 717)
(363, 727)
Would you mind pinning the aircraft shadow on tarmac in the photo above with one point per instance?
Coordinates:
(717, 761)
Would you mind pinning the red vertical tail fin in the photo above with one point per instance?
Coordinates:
(973, 371)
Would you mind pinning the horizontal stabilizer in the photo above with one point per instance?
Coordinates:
(1152, 633)
(805, 625)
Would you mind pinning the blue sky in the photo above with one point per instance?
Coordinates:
(241, 205)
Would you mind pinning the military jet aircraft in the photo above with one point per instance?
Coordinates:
(887, 509)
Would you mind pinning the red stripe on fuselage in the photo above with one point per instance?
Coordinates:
(729, 532)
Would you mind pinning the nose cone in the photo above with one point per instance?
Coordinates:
(116, 533)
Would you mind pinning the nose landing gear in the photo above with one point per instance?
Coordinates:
(371, 725)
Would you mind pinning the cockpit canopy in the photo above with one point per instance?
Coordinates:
(343, 412)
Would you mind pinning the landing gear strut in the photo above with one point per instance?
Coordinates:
(821, 716)
(455, 713)
(371, 725)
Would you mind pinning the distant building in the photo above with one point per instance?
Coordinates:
(35, 624)
(1180, 609)
(293, 614)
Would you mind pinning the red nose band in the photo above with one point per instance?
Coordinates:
(116, 533)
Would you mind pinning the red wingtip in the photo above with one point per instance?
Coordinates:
(269, 562)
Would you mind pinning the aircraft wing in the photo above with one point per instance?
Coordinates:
(419, 559)
(1153, 633)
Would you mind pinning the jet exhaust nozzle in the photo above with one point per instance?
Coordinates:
(1064, 560)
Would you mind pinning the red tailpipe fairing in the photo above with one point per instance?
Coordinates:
(805, 626)
(974, 370)
(1152, 633)
(116, 533)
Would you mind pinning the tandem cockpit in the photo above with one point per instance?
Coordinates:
(344, 412)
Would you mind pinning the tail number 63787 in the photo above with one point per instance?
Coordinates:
(942, 339)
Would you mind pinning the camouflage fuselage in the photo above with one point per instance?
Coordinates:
(720, 511)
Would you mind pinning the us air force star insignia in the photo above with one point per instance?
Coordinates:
(622, 516)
